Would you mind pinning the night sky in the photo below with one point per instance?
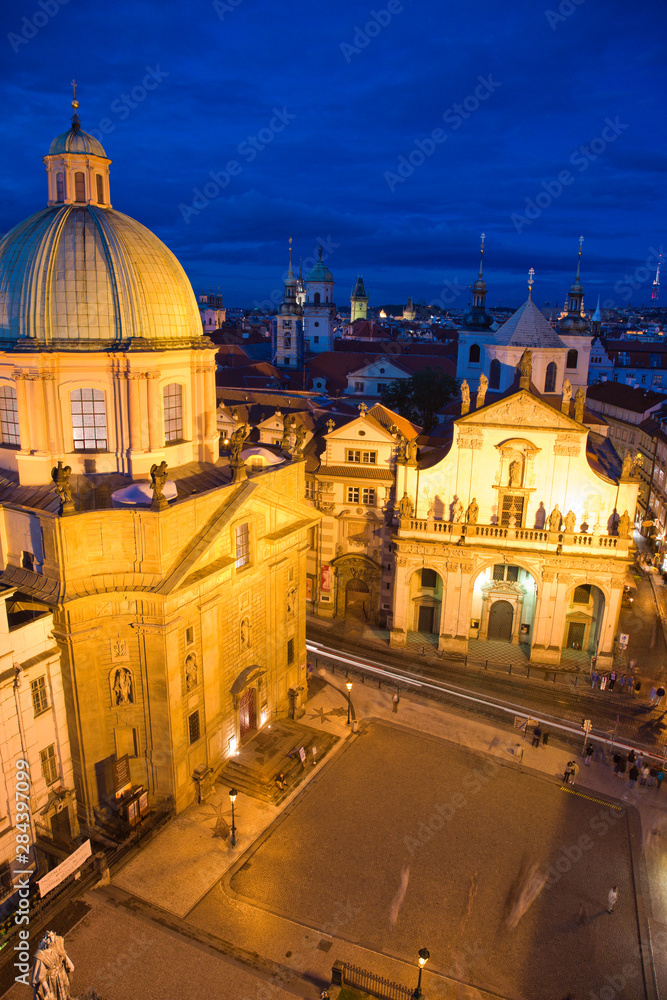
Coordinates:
(305, 112)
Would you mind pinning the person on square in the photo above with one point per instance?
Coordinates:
(588, 754)
(537, 733)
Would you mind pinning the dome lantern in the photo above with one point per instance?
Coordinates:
(77, 168)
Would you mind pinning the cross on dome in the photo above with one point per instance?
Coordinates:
(531, 278)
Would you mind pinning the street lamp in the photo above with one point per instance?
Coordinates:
(348, 685)
(232, 795)
(423, 959)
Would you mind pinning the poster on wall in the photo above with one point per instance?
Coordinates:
(325, 579)
(309, 588)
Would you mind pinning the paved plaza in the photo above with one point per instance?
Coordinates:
(429, 844)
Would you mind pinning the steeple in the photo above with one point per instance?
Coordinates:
(290, 305)
(476, 315)
(596, 319)
(358, 301)
(575, 320)
(531, 279)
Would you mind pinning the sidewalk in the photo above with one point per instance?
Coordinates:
(177, 870)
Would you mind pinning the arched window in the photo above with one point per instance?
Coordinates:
(79, 186)
(89, 420)
(550, 377)
(494, 374)
(572, 359)
(9, 417)
(316, 298)
(60, 186)
(100, 189)
(173, 412)
(473, 354)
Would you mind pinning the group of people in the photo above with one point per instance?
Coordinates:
(624, 684)
(639, 768)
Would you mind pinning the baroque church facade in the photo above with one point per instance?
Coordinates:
(176, 581)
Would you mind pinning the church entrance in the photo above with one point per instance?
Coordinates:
(357, 599)
(575, 635)
(247, 712)
(501, 616)
(425, 622)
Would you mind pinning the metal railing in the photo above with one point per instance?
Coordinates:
(369, 982)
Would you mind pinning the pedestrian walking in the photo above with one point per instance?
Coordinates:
(652, 695)
(631, 685)
(660, 777)
(603, 683)
(612, 680)
(621, 767)
(661, 694)
(621, 683)
(574, 767)
(632, 664)
(632, 757)
(617, 762)
(633, 774)
(394, 703)
(594, 679)
(612, 898)
(568, 772)
(645, 771)
(652, 776)
(545, 737)
(537, 734)
(588, 753)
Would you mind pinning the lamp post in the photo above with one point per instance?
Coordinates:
(232, 795)
(423, 959)
(348, 685)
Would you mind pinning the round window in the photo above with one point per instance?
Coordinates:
(382, 371)
(316, 324)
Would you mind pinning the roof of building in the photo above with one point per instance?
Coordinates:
(527, 327)
(320, 272)
(359, 290)
(75, 140)
(260, 375)
(625, 396)
(335, 366)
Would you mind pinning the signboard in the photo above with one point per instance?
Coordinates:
(302, 755)
(325, 579)
(69, 865)
(121, 774)
(143, 804)
(623, 640)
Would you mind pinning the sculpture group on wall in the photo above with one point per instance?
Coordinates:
(191, 672)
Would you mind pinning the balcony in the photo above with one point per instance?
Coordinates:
(494, 535)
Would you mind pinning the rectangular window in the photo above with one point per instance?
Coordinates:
(39, 699)
(429, 578)
(369, 457)
(189, 636)
(358, 386)
(288, 341)
(643, 379)
(173, 412)
(310, 489)
(290, 650)
(287, 324)
(582, 594)
(499, 571)
(368, 496)
(60, 187)
(316, 340)
(49, 767)
(89, 420)
(193, 727)
(79, 187)
(242, 546)
(654, 361)
(100, 189)
(512, 574)
(512, 510)
(287, 360)
(354, 456)
(353, 494)
(9, 417)
(381, 387)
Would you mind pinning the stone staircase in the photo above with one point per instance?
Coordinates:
(253, 771)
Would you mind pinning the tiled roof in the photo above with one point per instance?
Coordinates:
(626, 396)
(527, 328)
(386, 417)
(356, 472)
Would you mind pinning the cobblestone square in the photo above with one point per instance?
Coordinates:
(408, 842)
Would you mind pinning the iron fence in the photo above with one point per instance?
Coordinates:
(376, 985)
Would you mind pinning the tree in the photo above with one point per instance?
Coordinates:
(419, 397)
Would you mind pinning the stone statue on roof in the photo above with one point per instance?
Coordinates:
(554, 519)
(60, 477)
(236, 442)
(472, 512)
(405, 506)
(624, 525)
(300, 437)
(526, 367)
(626, 470)
(51, 969)
(158, 480)
(288, 424)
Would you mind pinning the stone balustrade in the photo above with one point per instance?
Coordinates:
(493, 534)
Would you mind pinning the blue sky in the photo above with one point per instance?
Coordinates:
(394, 132)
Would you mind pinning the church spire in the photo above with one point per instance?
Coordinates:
(531, 279)
(481, 257)
(290, 272)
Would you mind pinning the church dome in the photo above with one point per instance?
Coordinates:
(320, 272)
(75, 140)
(85, 278)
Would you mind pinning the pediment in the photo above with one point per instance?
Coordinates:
(374, 370)
(521, 410)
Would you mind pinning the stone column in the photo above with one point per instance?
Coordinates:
(53, 412)
(22, 407)
(134, 392)
(211, 433)
(398, 634)
(38, 413)
(155, 434)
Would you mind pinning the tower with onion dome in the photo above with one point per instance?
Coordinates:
(319, 311)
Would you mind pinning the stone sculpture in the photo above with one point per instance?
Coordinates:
(472, 512)
(60, 477)
(405, 506)
(554, 519)
(570, 521)
(158, 480)
(51, 969)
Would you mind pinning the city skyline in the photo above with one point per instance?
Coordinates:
(393, 135)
